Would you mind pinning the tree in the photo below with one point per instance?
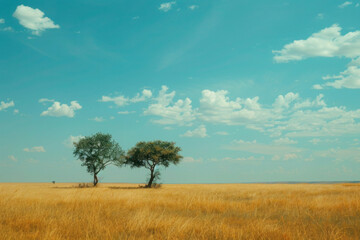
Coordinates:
(153, 154)
(98, 151)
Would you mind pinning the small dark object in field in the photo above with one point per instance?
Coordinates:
(53, 182)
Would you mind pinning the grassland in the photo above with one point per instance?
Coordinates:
(219, 211)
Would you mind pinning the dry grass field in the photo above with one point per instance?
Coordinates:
(219, 211)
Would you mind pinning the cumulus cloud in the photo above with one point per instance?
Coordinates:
(345, 4)
(289, 115)
(71, 140)
(146, 94)
(122, 100)
(285, 101)
(216, 107)
(2, 20)
(62, 110)
(13, 158)
(35, 149)
(179, 113)
(350, 78)
(33, 19)
(317, 87)
(327, 43)
(197, 132)
(165, 7)
(5, 105)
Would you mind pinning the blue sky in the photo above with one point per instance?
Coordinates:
(252, 91)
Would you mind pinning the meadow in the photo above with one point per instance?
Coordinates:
(191, 211)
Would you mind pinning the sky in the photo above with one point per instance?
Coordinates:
(251, 91)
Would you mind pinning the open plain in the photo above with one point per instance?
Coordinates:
(191, 211)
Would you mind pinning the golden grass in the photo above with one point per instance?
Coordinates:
(219, 211)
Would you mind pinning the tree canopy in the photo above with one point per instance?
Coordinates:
(152, 154)
(98, 151)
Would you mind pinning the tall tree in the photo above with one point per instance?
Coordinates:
(98, 151)
(153, 154)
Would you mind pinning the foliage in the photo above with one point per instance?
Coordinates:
(98, 151)
(152, 154)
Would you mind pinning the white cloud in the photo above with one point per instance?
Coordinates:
(2, 20)
(317, 87)
(71, 140)
(98, 119)
(166, 6)
(13, 158)
(35, 149)
(350, 78)
(345, 4)
(62, 110)
(135, 18)
(180, 113)
(284, 101)
(16, 111)
(193, 7)
(328, 43)
(216, 107)
(289, 115)
(122, 100)
(197, 132)
(5, 105)
(317, 102)
(33, 19)
(146, 94)
(44, 100)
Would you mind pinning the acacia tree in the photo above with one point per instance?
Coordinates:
(153, 154)
(98, 151)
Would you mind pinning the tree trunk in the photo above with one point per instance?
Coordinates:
(152, 176)
(95, 180)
